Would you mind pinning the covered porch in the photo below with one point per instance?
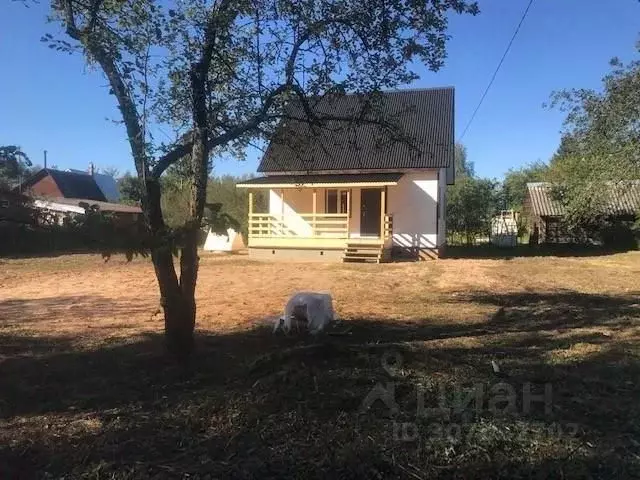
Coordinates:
(332, 215)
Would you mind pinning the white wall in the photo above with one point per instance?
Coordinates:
(295, 201)
(442, 205)
(298, 201)
(413, 204)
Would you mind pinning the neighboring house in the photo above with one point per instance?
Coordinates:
(354, 193)
(545, 214)
(15, 208)
(106, 183)
(61, 194)
(60, 208)
(56, 183)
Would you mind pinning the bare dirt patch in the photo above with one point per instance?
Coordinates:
(86, 390)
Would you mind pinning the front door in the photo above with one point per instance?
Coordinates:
(370, 212)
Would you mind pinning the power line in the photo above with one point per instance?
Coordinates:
(495, 74)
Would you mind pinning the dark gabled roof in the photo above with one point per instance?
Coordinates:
(423, 129)
(331, 179)
(71, 184)
(621, 199)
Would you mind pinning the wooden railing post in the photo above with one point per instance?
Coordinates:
(382, 211)
(348, 211)
(250, 214)
(315, 210)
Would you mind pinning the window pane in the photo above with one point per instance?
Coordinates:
(332, 201)
(343, 202)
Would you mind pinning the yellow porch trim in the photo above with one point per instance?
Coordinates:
(316, 185)
(309, 242)
(326, 231)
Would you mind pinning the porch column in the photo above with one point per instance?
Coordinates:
(348, 212)
(383, 195)
(250, 214)
(315, 209)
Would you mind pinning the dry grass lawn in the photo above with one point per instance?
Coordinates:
(87, 392)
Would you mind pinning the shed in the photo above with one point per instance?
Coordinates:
(546, 214)
(231, 242)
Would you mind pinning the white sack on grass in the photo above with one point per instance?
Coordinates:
(307, 311)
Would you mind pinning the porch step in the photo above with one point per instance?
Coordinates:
(362, 252)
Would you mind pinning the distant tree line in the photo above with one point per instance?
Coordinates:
(599, 149)
(232, 202)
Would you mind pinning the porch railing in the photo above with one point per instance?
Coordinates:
(388, 226)
(335, 225)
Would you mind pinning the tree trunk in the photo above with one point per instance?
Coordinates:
(178, 301)
(177, 297)
(179, 307)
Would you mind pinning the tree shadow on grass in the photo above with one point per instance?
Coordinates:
(251, 405)
(508, 253)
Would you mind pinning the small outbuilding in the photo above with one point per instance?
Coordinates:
(504, 229)
(546, 214)
(231, 242)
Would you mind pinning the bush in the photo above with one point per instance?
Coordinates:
(620, 235)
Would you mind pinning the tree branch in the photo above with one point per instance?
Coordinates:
(289, 85)
(93, 15)
(168, 159)
(120, 90)
(70, 20)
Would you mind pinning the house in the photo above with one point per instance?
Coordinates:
(15, 208)
(367, 190)
(49, 182)
(62, 207)
(545, 213)
(62, 194)
(106, 184)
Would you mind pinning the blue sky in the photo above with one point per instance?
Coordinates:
(53, 101)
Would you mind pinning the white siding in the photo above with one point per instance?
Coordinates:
(413, 204)
(295, 202)
(442, 222)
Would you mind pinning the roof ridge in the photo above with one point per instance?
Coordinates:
(420, 89)
(397, 90)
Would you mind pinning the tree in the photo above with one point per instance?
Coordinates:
(131, 189)
(463, 167)
(470, 205)
(111, 171)
(14, 165)
(471, 201)
(235, 200)
(221, 72)
(600, 147)
(514, 186)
